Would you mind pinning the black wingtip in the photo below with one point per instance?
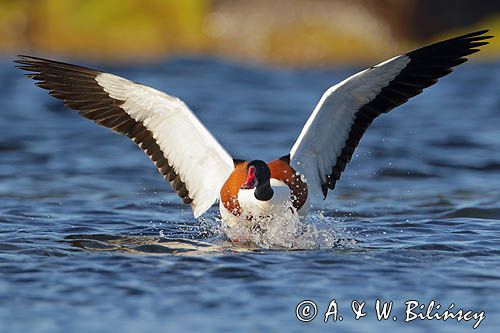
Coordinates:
(29, 58)
(38, 61)
(477, 38)
(474, 34)
(26, 62)
(479, 32)
(324, 189)
(24, 59)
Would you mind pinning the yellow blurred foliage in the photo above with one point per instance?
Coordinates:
(104, 28)
(286, 32)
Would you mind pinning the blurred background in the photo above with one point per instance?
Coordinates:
(282, 32)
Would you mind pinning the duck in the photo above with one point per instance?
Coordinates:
(202, 172)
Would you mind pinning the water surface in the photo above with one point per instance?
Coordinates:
(92, 239)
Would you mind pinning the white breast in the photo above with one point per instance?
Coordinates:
(254, 211)
(279, 202)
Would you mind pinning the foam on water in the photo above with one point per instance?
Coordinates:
(287, 231)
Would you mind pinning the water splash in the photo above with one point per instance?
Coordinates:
(288, 231)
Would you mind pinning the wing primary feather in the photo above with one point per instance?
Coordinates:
(105, 103)
(354, 103)
(453, 50)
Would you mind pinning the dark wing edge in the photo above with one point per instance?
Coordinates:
(426, 66)
(77, 87)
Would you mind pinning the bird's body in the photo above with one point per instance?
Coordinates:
(240, 206)
(250, 192)
(253, 212)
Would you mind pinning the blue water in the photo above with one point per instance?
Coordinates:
(93, 240)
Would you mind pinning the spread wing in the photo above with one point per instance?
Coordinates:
(182, 149)
(345, 111)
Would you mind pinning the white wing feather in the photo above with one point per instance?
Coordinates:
(325, 132)
(196, 156)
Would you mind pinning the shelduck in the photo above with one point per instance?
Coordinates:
(202, 172)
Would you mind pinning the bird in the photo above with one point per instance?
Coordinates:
(202, 172)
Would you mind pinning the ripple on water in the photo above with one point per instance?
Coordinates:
(91, 236)
(403, 173)
(475, 212)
